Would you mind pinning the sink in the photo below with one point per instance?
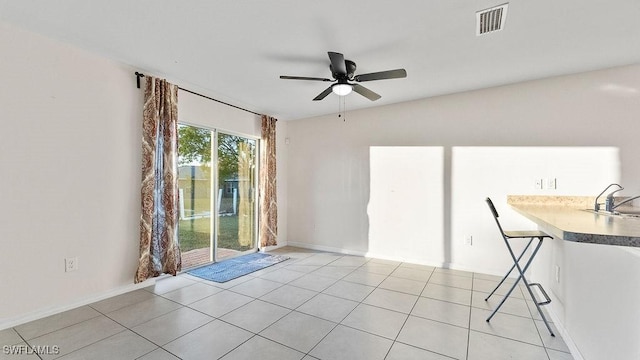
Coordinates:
(626, 213)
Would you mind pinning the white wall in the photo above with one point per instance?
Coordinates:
(332, 186)
(70, 146)
(70, 158)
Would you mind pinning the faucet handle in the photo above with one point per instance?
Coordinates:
(609, 203)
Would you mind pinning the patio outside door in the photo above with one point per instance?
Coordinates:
(195, 182)
(218, 206)
(236, 195)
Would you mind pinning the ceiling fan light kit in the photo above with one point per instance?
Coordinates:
(343, 73)
(341, 89)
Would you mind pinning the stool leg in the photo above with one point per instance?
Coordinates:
(510, 270)
(535, 302)
(516, 263)
(526, 283)
(506, 296)
(524, 279)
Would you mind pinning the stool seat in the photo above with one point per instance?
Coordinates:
(526, 234)
(522, 234)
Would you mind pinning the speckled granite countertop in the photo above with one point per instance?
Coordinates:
(564, 217)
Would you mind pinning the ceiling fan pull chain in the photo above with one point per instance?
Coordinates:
(344, 108)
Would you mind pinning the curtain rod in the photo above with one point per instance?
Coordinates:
(139, 75)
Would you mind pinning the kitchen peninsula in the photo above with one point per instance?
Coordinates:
(593, 285)
(570, 218)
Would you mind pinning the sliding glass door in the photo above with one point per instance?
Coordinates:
(236, 226)
(218, 207)
(195, 179)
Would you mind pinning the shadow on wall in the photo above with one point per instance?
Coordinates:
(426, 202)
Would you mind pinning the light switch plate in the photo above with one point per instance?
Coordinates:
(538, 184)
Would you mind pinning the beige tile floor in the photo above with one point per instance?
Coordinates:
(315, 305)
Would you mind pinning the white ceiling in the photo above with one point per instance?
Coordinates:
(235, 50)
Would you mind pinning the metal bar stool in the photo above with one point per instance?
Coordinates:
(531, 235)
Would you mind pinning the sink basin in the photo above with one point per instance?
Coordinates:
(633, 211)
(627, 213)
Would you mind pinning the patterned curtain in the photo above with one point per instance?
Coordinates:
(268, 206)
(159, 248)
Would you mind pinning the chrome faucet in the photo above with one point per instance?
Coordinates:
(609, 201)
(613, 207)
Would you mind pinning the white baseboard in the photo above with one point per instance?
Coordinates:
(45, 312)
(326, 248)
(565, 335)
(270, 248)
(445, 265)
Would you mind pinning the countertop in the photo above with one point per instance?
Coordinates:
(565, 218)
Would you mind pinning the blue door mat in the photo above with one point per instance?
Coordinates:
(234, 268)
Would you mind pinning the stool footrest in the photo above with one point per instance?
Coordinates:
(544, 293)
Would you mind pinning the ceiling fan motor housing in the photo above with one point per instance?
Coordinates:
(351, 70)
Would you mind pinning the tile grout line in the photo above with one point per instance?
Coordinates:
(337, 323)
(433, 271)
(29, 342)
(290, 311)
(157, 345)
(62, 328)
(503, 336)
(321, 292)
(181, 306)
(409, 314)
(95, 342)
(387, 276)
(473, 277)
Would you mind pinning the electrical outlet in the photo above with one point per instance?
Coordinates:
(468, 240)
(70, 264)
(557, 274)
(551, 183)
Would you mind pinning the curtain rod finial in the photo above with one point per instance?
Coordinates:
(138, 76)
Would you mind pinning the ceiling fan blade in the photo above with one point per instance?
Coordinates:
(382, 75)
(323, 94)
(365, 92)
(303, 78)
(337, 63)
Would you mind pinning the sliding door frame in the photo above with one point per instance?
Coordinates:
(214, 224)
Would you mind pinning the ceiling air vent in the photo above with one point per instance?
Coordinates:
(490, 20)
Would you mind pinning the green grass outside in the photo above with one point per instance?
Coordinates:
(194, 234)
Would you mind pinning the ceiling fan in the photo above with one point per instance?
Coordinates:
(343, 73)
